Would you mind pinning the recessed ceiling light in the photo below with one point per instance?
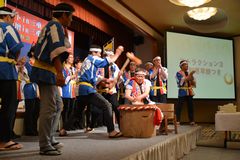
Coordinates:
(189, 3)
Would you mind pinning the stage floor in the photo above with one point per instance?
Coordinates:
(97, 146)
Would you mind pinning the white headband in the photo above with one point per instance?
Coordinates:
(95, 50)
(13, 13)
(140, 72)
(184, 62)
(156, 58)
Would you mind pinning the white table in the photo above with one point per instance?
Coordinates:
(227, 122)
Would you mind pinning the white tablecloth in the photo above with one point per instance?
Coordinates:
(227, 121)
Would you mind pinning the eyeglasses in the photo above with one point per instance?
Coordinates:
(140, 76)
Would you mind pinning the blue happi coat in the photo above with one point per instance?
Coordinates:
(88, 73)
(10, 45)
(51, 44)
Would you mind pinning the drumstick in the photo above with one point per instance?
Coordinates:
(133, 58)
(125, 65)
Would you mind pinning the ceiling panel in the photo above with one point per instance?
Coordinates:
(163, 15)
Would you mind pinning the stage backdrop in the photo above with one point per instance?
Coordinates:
(211, 58)
(29, 28)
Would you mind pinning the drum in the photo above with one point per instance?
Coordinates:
(137, 120)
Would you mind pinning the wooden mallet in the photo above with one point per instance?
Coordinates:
(130, 57)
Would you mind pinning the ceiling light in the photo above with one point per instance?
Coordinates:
(189, 3)
(202, 13)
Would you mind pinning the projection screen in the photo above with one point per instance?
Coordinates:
(211, 58)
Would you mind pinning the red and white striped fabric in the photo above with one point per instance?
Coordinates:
(158, 117)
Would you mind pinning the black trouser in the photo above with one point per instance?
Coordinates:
(32, 108)
(159, 98)
(94, 116)
(121, 93)
(113, 99)
(181, 101)
(13, 134)
(121, 100)
(68, 107)
(97, 100)
(8, 95)
(79, 123)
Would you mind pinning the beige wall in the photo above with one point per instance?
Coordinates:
(144, 51)
(150, 49)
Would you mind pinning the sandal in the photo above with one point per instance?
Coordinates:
(118, 134)
(13, 146)
(50, 152)
(63, 133)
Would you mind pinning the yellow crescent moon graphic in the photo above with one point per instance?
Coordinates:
(228, 79)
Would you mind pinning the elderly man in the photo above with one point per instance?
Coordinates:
(51, 50)
(137, 90)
